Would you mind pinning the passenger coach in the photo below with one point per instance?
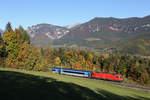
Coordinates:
(72, 72)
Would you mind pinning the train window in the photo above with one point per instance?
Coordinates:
(120, 76)
(53, 70)
(74, 72)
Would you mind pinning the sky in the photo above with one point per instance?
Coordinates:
(66, 12)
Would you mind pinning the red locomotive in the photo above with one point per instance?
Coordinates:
(107, 76)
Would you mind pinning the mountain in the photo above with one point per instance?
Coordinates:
(43, 34)
(105, 33)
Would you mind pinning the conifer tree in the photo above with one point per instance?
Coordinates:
(24, 35)
(2, 47)
(0, 37)
(8, 27)
(1, 44)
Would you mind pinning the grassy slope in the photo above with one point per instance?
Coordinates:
(139, 44)
(16, 85)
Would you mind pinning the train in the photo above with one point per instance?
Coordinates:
(88, 74)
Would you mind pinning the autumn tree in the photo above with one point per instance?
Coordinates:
(23, 55)
(12, 42)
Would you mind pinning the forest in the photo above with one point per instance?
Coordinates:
(16, 51)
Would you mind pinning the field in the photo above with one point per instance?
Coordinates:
(92, 39)
(30, 85)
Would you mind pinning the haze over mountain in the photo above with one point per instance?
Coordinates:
(73, 26)
(98, 33)
(1, 31)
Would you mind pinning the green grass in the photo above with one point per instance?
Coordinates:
(30, 85)
(92, 39)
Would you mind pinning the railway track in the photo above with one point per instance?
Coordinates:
(125, 84)
(134, 86)
(147, 89)
(139, 87)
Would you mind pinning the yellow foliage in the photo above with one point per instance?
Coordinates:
(106, 56)
(137, 64)
(57, 60)
(81, 58)
(78, 66)
(94, 68)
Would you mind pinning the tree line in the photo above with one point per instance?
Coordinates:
(16, 51)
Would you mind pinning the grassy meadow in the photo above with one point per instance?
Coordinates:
(31, 85)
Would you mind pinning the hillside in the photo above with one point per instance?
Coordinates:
(17, 84)
(139, 44)
(43, 34)
(106, 33)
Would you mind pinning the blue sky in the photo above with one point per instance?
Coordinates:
(65, 12)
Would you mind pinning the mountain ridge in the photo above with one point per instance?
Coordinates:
(43, 34)
(106, 33)
(100, 34)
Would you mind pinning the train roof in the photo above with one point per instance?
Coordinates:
(108, 73)
(85, 71)
(72, 69)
